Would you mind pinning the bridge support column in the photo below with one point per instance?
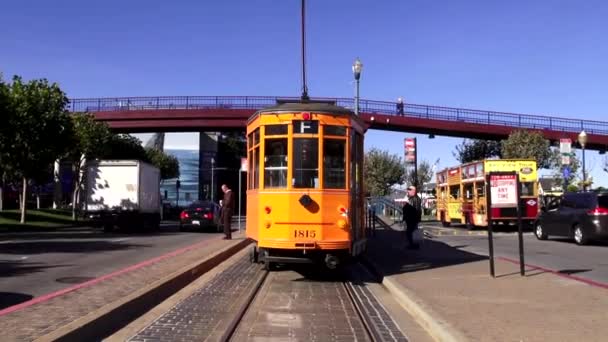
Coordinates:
(208, 142)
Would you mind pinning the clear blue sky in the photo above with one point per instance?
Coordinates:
(537, 57)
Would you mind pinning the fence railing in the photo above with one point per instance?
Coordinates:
(365, 106)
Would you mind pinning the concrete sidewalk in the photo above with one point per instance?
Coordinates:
(451, 293)
(88, 310)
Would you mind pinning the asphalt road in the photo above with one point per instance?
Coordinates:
(35, 264)
(562, 255)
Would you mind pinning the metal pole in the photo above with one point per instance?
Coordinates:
(212, 189)
(416, 164)
(520, 234)
(357, 97)
(489, 215)
(240, 175)
(584, 172)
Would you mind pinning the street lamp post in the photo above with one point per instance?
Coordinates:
(212, 174)
(582, 140)
(357, 67)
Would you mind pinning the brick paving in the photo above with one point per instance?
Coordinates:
(204, 315)
(40, 319)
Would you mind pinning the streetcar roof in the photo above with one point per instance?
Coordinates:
(316, 106)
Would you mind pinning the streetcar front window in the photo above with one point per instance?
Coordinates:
(334, 163)
(275, 163)
(305, 163)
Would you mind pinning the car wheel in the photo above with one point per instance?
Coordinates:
(539, 232)
(580, 237)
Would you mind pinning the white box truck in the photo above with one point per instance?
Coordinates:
(122, 193)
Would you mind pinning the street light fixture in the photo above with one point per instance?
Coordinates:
(582, 140)
(357, 67)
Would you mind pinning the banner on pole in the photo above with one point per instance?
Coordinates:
(409, 146)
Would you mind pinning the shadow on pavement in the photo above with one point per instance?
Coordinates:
(387, 250)
(11, 298)
(18, 268)
(89, 233)
(43, 247)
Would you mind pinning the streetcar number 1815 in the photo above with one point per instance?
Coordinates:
(303, 233)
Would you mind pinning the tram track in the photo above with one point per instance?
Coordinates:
(375, 323)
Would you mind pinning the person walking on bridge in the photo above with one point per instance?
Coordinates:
(227, 208)
(412, 215)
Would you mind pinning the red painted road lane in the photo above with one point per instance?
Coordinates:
(568, 276)
(51, 295)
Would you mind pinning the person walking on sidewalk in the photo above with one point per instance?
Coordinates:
(227, 207)
(412, 215)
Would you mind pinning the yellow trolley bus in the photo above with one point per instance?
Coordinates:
(461, 193)
(305, 188)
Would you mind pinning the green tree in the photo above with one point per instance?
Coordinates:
(472, 150)
(168, 164)
(4, 129)
(523, 144)
(382, 170)
(555, 164)
(124, 146)
(40, 128)
(425, 174)
(89, 140)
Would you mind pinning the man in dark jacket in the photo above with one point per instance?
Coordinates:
(227, 208)
(412, 215)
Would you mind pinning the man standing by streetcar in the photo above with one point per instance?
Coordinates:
(227, 209)
(412, 215)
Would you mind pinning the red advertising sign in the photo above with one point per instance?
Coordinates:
(409, 145)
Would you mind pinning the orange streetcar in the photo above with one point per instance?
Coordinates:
(305, 189)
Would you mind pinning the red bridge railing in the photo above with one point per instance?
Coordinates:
(365, 106)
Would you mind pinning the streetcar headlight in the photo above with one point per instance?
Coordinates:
(342, 223)
(267, 224)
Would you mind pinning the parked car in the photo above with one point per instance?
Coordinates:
(200, 215)
(582, 216)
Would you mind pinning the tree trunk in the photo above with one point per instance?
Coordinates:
(38, 201)
(57, 184)
(78, 184)
(74, 196)
(23, 200)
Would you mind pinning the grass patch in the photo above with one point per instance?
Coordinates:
(44, 219)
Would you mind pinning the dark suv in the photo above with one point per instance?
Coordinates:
(579, 215)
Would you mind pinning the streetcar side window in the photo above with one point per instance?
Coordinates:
(305, 163)
(275, 163)
(334, 163)
(256, 168)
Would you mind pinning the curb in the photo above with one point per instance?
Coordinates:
(438, 328)
(115, 315)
